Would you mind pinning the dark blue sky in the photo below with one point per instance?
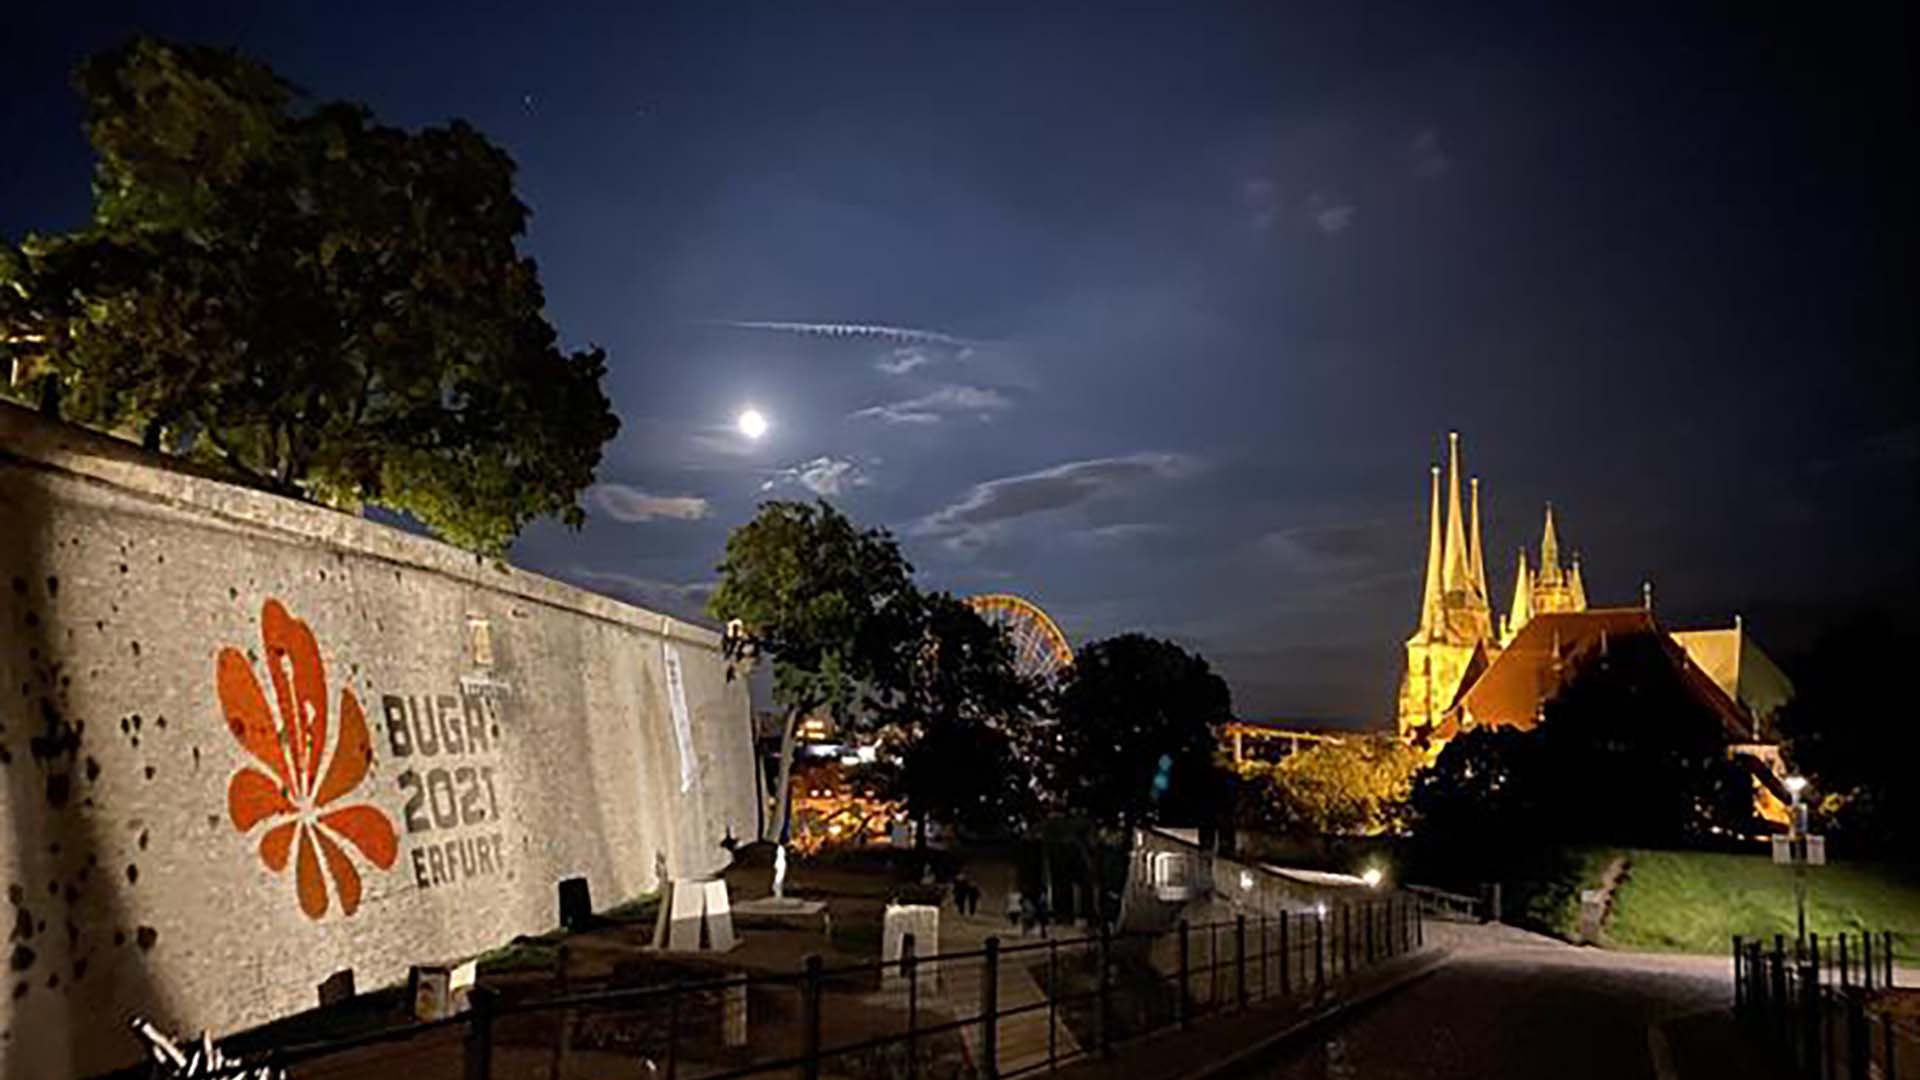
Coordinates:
(1205, 287)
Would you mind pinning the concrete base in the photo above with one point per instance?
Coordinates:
(776, 906)
(695, 916)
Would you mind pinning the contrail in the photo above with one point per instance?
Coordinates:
(905, 334)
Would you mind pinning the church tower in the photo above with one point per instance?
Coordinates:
(1555, 587)
(1456, 617)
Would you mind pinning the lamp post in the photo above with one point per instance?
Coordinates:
(1797, 845)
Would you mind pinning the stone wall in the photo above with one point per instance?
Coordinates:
(247, 742)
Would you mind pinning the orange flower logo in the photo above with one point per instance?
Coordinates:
(295, 793)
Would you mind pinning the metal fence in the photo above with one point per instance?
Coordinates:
(1006, 1010)
(1829, 1008)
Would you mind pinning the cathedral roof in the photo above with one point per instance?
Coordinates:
(1547, 652)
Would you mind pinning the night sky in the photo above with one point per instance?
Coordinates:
(1165, 314)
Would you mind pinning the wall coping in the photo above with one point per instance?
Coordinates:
(39, 442)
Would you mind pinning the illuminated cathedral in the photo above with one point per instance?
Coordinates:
(1467, 667)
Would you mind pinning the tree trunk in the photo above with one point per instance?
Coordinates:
(783, 791)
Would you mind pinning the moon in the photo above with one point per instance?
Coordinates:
(752, 424)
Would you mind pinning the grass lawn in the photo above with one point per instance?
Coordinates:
(1686, 901)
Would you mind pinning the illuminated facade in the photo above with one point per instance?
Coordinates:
(1455, 635)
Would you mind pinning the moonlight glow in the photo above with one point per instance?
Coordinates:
(752, 424)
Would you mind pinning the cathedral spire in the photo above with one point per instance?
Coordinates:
(1430, 596)
(1477, 564)
(1521, 612)
(1454, 559)
(1576, 586)
(1549, 552)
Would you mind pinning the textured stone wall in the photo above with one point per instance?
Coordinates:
(245, 743)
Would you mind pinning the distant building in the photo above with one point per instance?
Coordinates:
(1460, 674)
(1275, 740)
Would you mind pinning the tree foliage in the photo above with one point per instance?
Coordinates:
(951, 730)
(321, 305)
(1359, 786)
(833, 606)
(1139, 722)
(1848, 731)
(1625, 754)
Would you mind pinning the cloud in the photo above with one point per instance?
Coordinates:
(1425, 157)
(1120, 533)
(1334, 219)
(822, 476)
(980, 514)
(1336, 550)
(1260, 199)
(931, 408)
(623, 503)
(902, 359)
(687, 600)
(904, 334)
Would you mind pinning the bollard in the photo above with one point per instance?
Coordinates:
(810, 1019)
(1181, 1001)
(910, 968)
(990, 1012)
(1240, 960)
(480, 1005)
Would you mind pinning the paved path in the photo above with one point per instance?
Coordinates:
(1512, 1004)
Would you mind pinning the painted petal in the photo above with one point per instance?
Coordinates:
(253, 796)
(311, 886)
(351, 754)
(293, 659)
(345, 877)
(247, 714)
(276, 845)
(367, 829)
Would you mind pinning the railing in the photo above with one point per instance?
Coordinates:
(1442, 904)
(1005, 1010)
(1828, 1008)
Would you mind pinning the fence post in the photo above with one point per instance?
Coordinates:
(1419, 925)
(479, 1033)
(1856, 1036)
(1106, 993)
(1346, 939)
(1180, 1001)
(1213, 965)
(910, 967)
(1371, 910)
(810, 1018)
(1845, 978)
(1240, 959)
(1053, 1003)
(1779, 988)
(1887, 952)
(1739, 987)
(1266, 990)
(1320, 953)
(1810, 1011)
(990, 1012)
(1866, 959)
(1286, 977)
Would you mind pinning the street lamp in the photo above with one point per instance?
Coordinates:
(1371, 876)
(1797, 845)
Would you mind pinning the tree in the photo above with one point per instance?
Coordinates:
(1625, 753)
(1139, 723)
(1358, 786)
(1847, 729)
(833, 607)
(950, 728)
(317, 304)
